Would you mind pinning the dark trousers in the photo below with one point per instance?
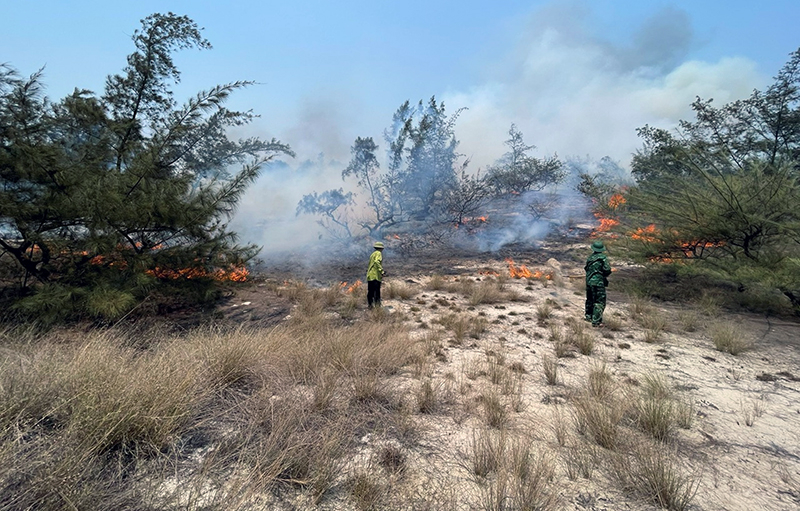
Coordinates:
(595, 303)
(373, 293)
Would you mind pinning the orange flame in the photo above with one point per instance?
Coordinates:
(522, 272)
(616, 201)
(606, 224)
(233, 274)
(647, 234)
(352, 288)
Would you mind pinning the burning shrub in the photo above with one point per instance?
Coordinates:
(108, 196)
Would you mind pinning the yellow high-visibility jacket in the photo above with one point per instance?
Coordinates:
(375, 268)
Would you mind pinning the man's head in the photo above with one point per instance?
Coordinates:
(378, 245)
(598, 246)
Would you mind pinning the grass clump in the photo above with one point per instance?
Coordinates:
(494, 410)
(578, 336)
(487, 292)
(544, 311)
(726, 338)
(550, 369)
(401, 290)
(653, 473)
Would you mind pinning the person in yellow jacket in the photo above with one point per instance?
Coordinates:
(375, 275)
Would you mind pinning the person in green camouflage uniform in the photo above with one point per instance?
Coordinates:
(597, 270)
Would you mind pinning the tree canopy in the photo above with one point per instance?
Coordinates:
(104, 196)
(723, 190)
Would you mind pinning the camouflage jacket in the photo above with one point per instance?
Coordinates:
(597, 269)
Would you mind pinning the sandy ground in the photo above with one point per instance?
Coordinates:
(743, 446)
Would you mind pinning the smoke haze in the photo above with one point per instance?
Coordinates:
(569, 90)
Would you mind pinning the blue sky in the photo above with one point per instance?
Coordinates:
(346, 65)
(576, 77)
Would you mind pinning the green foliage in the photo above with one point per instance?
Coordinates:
(517, 172)
(723, 192)
(99, 190)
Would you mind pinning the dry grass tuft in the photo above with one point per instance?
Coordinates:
(435, 283)
(400, 290)
(599, 420)
(427, 399)
(653, 472)
(580, 461)
(728, 339)
(487, 292)
(495, 411)
(550, 369)
(487, 450)
(366, 492)
(544, 311)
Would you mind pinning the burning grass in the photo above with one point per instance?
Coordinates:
(336, 406)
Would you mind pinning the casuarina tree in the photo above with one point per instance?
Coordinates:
(723, 191)
(105, 196)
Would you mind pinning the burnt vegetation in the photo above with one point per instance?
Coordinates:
(426, 191)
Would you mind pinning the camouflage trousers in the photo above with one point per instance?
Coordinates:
(595, 303)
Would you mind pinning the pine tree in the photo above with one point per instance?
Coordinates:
(724, 191)
(105, 196)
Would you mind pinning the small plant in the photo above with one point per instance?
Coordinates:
(655, 386)
(496, 371)
(393, 459)
(488, 449)
(436, 283)
(495, 411)
(652, 335)
(518, 367)
(580, 461)
(427, 401)
(599, 420)
(559, 426)
(653, 472)
(487, 292)
(584, 342)
(544, 311)
(689, 320)
(656, 417)
(400, 290)
(726, 338)
(640, 306)
(684, 413)
(550, 368)
(613, 323)
(654, 321)
(531, 475)
(708, 305)
(599, 383)
(365, 491)
(578, 337)
(752, 411)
